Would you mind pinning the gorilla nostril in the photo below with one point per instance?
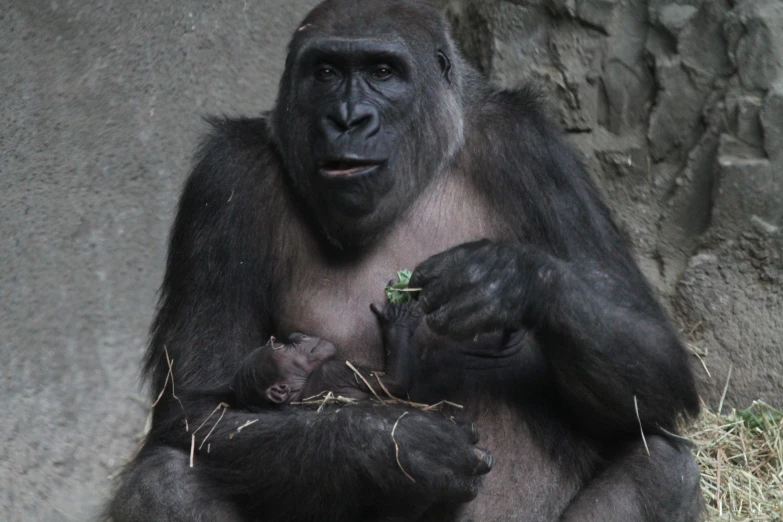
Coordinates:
(338, 123)
(359, 121)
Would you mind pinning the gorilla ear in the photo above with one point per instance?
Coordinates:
(445, 65)
(278, 393)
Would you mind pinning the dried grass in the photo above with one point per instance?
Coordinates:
(740, 454)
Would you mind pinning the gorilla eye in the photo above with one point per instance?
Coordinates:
(382, 73)
(325, 74)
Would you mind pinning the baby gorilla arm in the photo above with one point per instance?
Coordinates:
(398, 324)
(308, 367)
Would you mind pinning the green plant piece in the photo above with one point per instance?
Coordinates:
(399, 293)
(760, 416)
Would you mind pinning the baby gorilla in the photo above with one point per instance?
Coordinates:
(306, 366)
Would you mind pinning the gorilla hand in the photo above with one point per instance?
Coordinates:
(436, 460)
(403, 316)
(484, 286)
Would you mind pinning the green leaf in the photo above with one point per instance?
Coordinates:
(759, 416)
(395, 293)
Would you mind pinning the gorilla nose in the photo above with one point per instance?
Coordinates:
(358, 118)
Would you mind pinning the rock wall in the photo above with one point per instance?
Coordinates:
(677, 107)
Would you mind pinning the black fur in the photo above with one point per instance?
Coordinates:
(537, 318)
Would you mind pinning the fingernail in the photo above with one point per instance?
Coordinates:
(487, 460)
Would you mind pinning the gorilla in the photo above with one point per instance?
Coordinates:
(385, 150)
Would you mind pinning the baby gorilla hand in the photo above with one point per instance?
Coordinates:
(405, 316)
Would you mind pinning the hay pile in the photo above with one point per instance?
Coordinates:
(741, 459)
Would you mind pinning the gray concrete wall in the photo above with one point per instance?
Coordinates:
(676, 107)
(100, 109)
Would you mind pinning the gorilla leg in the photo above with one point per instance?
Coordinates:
(661, 487)
(160, 485)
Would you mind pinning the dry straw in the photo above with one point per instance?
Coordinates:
(740, 454)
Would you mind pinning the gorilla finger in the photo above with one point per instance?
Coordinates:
(438, 321)
(472, 432)
(431, 268)
(446, 289)
(468, 315)
(445, 262)
(460, 319)
(425, 301)
(295, 337)
(469, 329)
(485, 461)
(414, 310)
(463, 490)
(420, 278)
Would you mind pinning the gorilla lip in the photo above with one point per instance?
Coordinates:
(344, 167)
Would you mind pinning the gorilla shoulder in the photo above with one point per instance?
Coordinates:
(235, 136)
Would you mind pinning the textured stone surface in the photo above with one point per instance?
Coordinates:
(771, 116)
(677, 106)
(101, 104)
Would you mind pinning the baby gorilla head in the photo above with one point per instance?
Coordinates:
(284, 369)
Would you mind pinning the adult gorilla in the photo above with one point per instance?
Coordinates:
(386, 151)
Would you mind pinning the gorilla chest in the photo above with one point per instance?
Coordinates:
(332, 300)
(334, 303)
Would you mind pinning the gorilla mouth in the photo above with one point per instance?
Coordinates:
(345, 167)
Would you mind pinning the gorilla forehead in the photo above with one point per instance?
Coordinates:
(413, 21)
(352, 50)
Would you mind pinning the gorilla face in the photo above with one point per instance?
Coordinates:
(357, 97)
(366, 117)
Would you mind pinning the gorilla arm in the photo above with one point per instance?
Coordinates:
(562, 273)
(215, 309)
(606, 352)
